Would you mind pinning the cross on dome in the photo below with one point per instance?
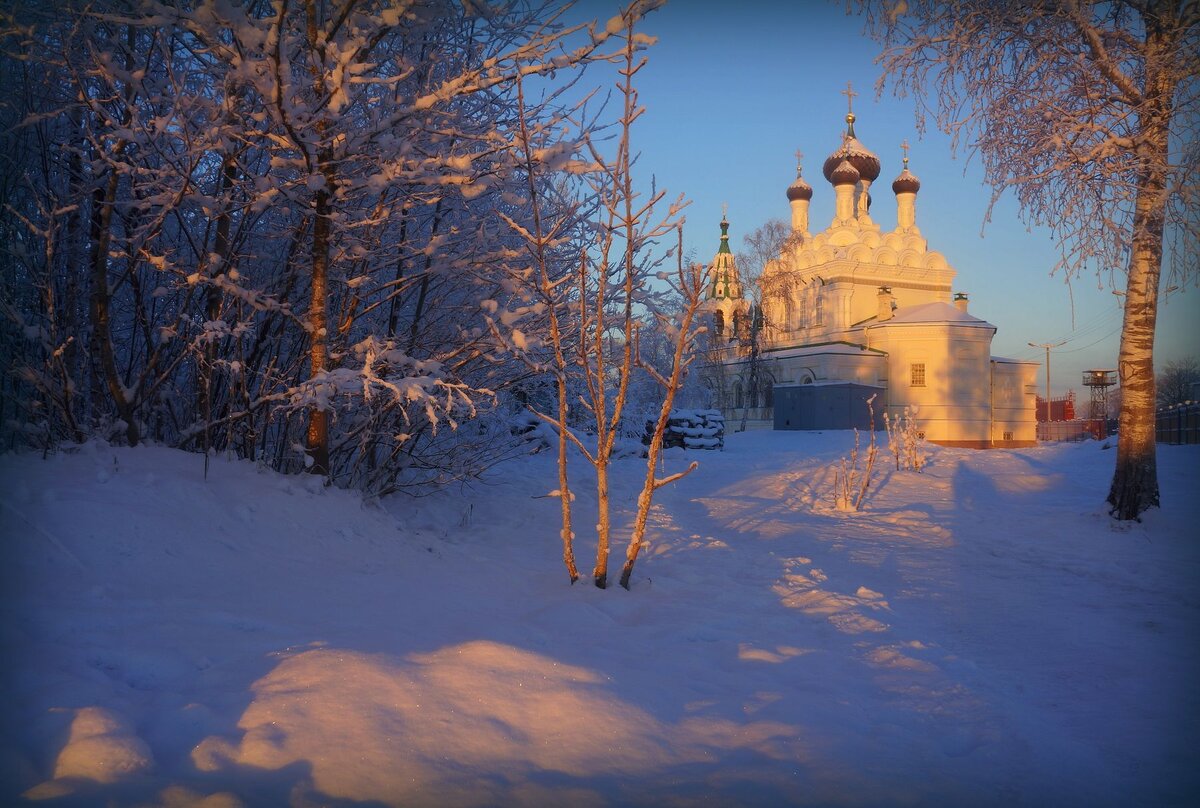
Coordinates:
(799, 189)
(864, 161)
(849, 93)
(907, 182)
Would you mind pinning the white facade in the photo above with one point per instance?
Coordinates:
(854, 303)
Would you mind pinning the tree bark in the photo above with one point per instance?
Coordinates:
(102, 201)
(317, 438)
(1135, 480)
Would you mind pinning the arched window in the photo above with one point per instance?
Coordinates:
(737, 395)
(718, 323)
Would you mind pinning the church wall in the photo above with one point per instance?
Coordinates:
(1014, 392)
(943, 372)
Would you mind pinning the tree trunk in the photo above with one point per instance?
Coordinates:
(103, 200)
(752, 381)
(564, 488)
(1135, 480)
(317, 439)
(600, 573)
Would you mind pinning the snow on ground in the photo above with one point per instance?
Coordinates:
(980, 634)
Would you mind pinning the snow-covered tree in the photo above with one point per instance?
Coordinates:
(1088, 112)
(260, 227)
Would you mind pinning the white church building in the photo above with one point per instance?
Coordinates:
(854, 311)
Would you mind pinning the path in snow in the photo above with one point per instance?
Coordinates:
(980, 634)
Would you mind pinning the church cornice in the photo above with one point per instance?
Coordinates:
(825, 344)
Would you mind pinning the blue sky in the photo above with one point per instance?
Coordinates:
(733, 89)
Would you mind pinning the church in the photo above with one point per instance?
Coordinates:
(855, 311)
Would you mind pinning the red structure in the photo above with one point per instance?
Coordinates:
(1061, 409)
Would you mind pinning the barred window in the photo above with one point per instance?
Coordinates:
(917, 374)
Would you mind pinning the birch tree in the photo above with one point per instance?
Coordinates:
(1088, 112)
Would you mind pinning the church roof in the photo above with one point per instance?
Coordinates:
(865, 161)
(724, 248)
(844, 174)
(907, 182)
(937, 312)
(799, 189)
(723, 280)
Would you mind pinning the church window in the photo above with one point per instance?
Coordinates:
(917, 374)
(719, 323)
(737, 395)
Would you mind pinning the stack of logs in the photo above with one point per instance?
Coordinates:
(691, 429)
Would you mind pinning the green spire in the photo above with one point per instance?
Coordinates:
(724, 248)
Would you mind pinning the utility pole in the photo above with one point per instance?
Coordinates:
(1047, 346)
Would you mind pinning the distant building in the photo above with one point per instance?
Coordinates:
(859, 311)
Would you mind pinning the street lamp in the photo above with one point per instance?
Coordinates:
(1047, 346)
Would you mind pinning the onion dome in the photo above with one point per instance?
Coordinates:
(799, 189)
(907, 182)
(844, 174)
(865, 161)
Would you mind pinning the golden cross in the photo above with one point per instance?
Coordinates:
(849, 93)
(799, 157)
(904, 146)
(724, 209)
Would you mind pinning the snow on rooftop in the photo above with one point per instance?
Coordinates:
(937, 312)
(826, 348)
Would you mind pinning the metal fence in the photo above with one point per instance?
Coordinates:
(1078, 429)
(1174, 425)
(1179, 424)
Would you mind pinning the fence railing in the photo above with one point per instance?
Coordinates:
(1077, 429)
(1174, 425)
(1179, 424)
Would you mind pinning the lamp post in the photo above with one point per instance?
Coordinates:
(1047, 346)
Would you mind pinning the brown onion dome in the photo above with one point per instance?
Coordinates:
(906, 183)
(799, 189)
(844, 174)
(865, 161)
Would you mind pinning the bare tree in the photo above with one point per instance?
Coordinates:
(1177, 382)
(613, 276)
(689, 283)
(766, 243)
(1089, 112)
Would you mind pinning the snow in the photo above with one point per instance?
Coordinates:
(980, 634)
(936, 312)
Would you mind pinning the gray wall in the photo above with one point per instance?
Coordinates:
(827, 406)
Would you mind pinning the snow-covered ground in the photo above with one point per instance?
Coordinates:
(980, 634)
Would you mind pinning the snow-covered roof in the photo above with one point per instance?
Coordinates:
(830, 383)
(825, 348)
(937, 312)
